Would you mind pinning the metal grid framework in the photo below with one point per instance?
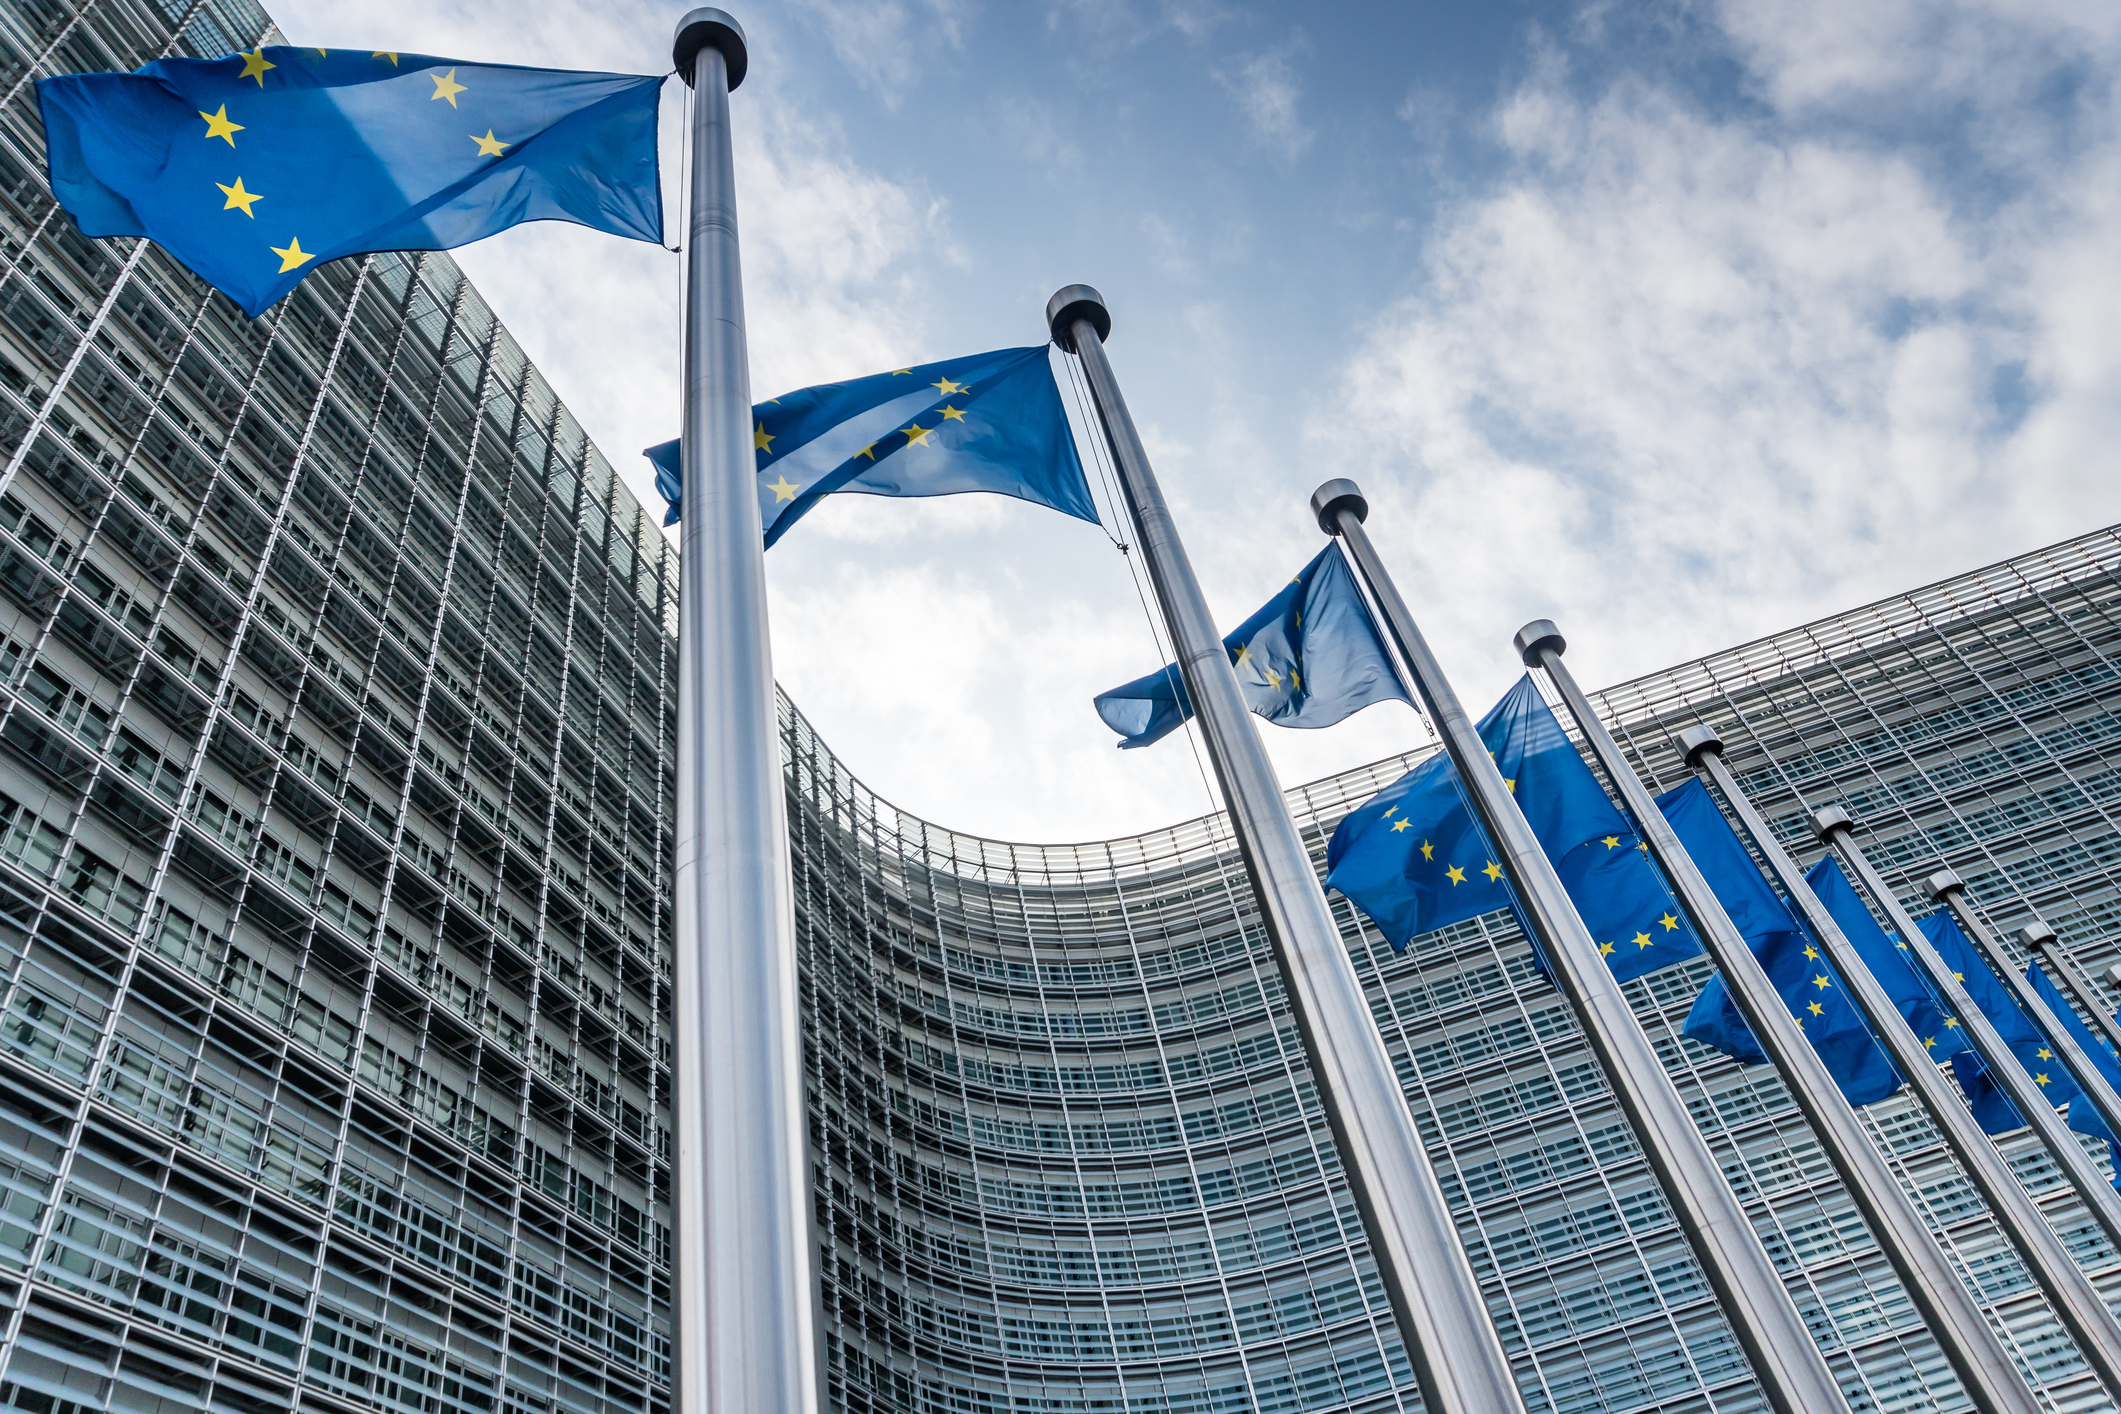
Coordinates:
(334, 824)
(1067, 1154)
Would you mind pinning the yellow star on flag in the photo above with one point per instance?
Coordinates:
(2044, 1054)
(762, 440)
(1456, 875)
(784, 489)
(446, 86)
(1611, 841)
(1428, 851)
(1815, 1009)
(488, 147)
(217, 125)
(1642, 940)
(239, 199)
(1273, 679)
(292, 256)
(868, 451)
(1493, 871)
(1811, 952)
(1821, 983)
(1605, 949)
(254, 65)
(2040, 1076)
(917, 435)
(1398, 825)
(1931, 1042)
(897, 371)
(947, 388)
(385, 54)
(953, 414)
(1669, 922)
(1951, 1023)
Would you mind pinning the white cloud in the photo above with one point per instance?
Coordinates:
(1678, 379)
(885, 43)
(1268, 93)
(940, 682)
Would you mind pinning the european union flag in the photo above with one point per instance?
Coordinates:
(1414, 860)
(2084, 1116)
(1788, 954)
(1984, 1096)
(255, 169)
(987, 422)
(1309, 658)
(1888, 961)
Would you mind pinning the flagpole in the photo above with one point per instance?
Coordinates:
(1946, 887)
(744, 1327)
(1939, 1296)
(2039, 939)
(1457, 1357)
(2074, 1299)
(1838, 831)
(1785, 1358)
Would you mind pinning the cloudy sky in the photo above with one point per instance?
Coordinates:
(1679, 321)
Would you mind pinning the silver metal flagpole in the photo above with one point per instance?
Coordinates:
(1946, 887)
(2075, 1300)
(744, 1335)
(1785, 1359)
(1939, 1296)
(1838, 831)
(1451, 1342)
(2040, 940)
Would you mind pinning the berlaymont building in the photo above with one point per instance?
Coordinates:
(335, 813)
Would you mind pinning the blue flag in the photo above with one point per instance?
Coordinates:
(1787, 953)
(1984, 1096)
(2084, 1116)
(1888, 961)
(987, 422)
(1412, 858)
(1309, 658)
(255, 169)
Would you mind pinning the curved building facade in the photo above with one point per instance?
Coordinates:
(1068, 1156)
(335, 817)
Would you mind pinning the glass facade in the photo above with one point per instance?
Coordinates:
(335, 714)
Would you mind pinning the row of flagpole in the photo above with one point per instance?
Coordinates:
(745, 1320)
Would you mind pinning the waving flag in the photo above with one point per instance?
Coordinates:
(255, 169)
(987, 422)
(1414, 860)
(1789, 955)
(1309, 658)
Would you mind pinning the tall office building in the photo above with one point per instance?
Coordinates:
(334, 826)
(1069, 1154)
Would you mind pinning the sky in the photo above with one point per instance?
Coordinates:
(1679, 322)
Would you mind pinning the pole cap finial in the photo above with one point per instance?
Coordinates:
(1831, 818)
(1335, 496)
(1073, 303)
(1535, 638)
(708, 27)
(1698, 741)
(2036, 935)
(1941, 883)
